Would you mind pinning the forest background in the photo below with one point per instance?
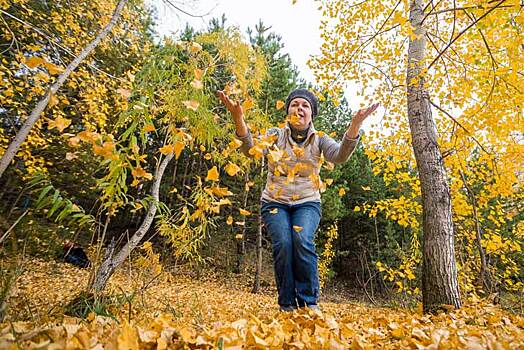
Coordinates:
(134, 159)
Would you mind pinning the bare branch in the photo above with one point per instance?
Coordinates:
(457, 122)
(464, 31)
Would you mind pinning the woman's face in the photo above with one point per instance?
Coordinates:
(300, 113)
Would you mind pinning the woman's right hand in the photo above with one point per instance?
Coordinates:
(235, 108)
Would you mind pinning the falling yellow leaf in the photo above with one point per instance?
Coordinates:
(328, 181)
(239, 236)
(33, 62)
(244, 212)
(366, 188)
(53, 101)
(195, 47)
(357, 208)
(247, 105)
(71, 156)
(74, 141)
(202, 148)
(60, 123)
(53, 68)
(125, 93)
(106, 150)
(232, 169)
(198, 73)
(293, 119)
(192, 104)
(320, 133)
(179, 146)
(297, 229)
(280, 105)
(139, 172)
(167, 149)
(208, 156)
(197, 84)
(88, 136)
(212, 174)
(341, 192)
(148, 128)
(229, 220)
(274, 211)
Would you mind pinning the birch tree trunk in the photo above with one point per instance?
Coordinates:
(111, 260)
(439, 280)
(42, 104)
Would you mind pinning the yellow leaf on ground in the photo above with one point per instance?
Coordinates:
(212, 174)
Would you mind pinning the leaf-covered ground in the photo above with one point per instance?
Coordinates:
(220, 312)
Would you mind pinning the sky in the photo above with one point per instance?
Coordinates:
(297, 24)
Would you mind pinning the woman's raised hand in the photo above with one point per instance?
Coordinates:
(363, 113)
(235, 108)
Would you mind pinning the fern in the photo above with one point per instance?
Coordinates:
(62, 209)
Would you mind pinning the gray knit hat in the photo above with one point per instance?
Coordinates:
(307, 95)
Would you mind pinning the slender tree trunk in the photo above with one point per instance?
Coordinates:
(111, 261)
(258, 267)
(485, 275)
(42, 104)
(439, 280)
(241, 243)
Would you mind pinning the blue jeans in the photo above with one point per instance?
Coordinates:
(294, 253)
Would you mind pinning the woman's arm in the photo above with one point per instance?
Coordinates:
(241, 130)
(340, 152)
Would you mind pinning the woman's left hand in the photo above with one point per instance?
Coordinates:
(363, 113)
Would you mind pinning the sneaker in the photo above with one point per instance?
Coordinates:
(287, 308)
(314, 307)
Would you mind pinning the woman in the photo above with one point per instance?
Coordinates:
(291, 198)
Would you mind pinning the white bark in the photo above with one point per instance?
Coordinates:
(42, 104)
(111, 262)
(439, 280)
